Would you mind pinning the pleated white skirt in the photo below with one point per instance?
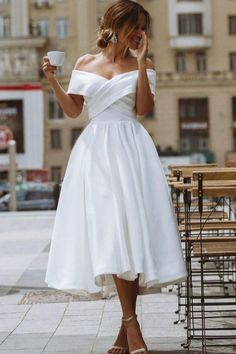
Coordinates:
(114, 214)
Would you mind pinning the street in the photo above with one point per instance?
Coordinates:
(36, 319)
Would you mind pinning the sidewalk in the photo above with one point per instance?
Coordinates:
(35, 319)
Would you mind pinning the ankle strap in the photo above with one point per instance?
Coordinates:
(129, 318)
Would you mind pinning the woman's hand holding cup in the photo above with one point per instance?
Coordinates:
(48, 69)
(50, 63)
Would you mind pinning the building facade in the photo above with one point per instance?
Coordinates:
(28, 30)
(21, 93)
(192, 43)
(69, 26)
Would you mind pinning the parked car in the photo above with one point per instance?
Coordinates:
(4, 188)
(32, 196)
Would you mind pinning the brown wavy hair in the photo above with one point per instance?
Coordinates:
(118, 14)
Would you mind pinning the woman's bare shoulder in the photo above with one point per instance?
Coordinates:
(83, 61)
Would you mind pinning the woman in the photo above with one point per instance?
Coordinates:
(114, 222)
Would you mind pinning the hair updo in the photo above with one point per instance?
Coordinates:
(123, 11)
(104, 37)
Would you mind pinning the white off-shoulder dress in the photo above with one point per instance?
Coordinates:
(114, 214)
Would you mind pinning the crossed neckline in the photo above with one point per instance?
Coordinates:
(115, 76)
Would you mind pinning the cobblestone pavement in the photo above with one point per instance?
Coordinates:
(35, 319)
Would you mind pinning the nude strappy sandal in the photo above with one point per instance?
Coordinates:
(122, 350)
(141, 350)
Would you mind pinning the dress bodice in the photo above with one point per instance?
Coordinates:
(102, 95)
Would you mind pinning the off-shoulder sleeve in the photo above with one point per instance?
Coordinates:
(152, 78)
(78, 84)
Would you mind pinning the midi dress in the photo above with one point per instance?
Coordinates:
(114, 214)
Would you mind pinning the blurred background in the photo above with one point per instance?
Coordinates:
(193, 46)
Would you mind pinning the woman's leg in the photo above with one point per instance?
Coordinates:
(127, 292)
(132, 290)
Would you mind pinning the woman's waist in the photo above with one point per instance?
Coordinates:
(112, 115)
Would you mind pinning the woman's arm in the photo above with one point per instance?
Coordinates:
(72, 105)
(144, 96)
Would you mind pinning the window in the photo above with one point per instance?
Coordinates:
(62, 27)
(5, 26)
(55, 111)
(75, 133)
(56, 174)
(40, 3)
(190, 24)
(99, 19)
(234, 119)
(201, 62)
(55, 135)
(180, 63)
(43, 27)
(151, 31)
(232, 58)
(34, 28)
(234, 112)
(196, 108)
(234, 108)
(193, 118)
(232, 24)
(194, 143)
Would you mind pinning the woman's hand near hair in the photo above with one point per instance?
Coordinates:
(144, 97)
(142, 51)
(72, 105)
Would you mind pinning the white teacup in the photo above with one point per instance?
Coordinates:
(56, 57)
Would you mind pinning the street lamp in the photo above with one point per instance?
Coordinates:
(12, 174)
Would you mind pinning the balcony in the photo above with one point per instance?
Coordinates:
(195, 78)
(190, 42)
(19, 59)
(44, 3)
(190, 25)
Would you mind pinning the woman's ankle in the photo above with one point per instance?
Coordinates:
(129, 317)
(129, 320)
(134, 334)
